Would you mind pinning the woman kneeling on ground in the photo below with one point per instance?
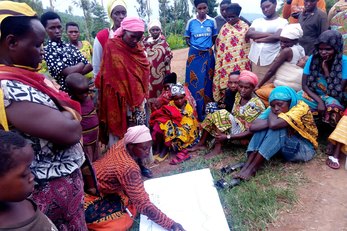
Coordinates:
(224, 125)
(121, 186)
(286, 127)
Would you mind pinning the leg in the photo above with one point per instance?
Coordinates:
(201, 144)
(253, 165)
(215, 151)
(333, 161)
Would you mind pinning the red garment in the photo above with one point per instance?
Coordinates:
(123, 82)
(164, 114)
(37, 81)
(102, 36)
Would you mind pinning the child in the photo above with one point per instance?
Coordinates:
(174, 126)
(78, 89)
(17, 212)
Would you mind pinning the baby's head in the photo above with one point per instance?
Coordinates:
(233, 81)
(77, 86)
(16, 156)
(301, 62)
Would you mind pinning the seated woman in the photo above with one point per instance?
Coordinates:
(291, 52)
(338, 138)
(121, 186)
(324, 78)
(174, 126)
(229, 95)
(233, 126)
(287, 127)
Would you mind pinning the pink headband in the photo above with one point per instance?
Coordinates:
(137, 134)
(133, 24)
(249, 76)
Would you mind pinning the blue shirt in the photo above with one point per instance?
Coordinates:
(344, 66)
(201, 33)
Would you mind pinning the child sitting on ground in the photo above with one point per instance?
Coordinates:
(78, 88)
(17, 212)
(174, 126)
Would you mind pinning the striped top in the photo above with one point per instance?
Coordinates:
(118, 172)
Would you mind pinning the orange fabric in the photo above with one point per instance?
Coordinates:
(264, 92)
(118, 173)
(123, 82)
(288, 9)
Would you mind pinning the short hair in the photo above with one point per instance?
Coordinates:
(272, 1)
(16, 25)
(197, 2)
(71, 24)
(225, 2)
(9, 141)
(234, 8)
(235, 73)
(74, 80)
(50, 15)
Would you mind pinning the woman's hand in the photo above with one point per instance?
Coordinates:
(221, 137)
(177, 227)
(325, 67)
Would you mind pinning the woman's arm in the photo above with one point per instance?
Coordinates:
(272, 38)
(214, 39)
(314, 96)
(188, 41)
(258, 125)
(275, 122)
(286, 54)
(252, 34)
(44, 122)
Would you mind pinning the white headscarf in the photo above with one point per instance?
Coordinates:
(292, 31)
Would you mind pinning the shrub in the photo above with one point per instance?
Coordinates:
(176, 41)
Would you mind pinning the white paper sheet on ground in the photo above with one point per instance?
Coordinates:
(188, 198)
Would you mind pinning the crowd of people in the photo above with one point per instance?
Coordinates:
(81, 124)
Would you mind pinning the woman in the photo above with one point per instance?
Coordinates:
(116, 11)
(121, 186)
(286, 62)
(159, 55)
(42, 114)
(122, 99)
(231, 51)
(233, 126)
(287, 128)
(337, 20)
(265, 35)
(174, 126)
(200, 34)
(324, 78)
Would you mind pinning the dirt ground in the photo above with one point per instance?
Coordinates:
(322, 203)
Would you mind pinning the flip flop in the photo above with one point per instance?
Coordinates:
(232, 167)
(333, 162)
(223, 184)
(180, 158)
(159, 159)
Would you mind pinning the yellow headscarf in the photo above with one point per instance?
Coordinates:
(9, 8)
(112, 4)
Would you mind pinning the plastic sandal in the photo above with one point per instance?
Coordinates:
(180, 158)
(333, 162)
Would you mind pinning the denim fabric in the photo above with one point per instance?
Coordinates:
(270, 142)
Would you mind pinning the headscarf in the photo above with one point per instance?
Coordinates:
(112, 4)
(170, 78)
(292, 31)
(154, 23)
(177, 89)
(197, 2)
(10, 9)
(334, 89)
(282, 93)
(133, 24)
(137, 134)
(249, 76)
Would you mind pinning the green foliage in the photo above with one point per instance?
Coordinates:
(212, 12)
(176, 41)
(329, 4)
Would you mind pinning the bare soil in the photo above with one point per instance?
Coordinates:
(322, 199)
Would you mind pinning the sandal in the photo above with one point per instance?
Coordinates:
(333, 162)
(180, 158)
(159, 159)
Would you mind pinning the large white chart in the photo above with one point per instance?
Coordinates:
(188, 198)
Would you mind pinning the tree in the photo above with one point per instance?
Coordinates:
(99, 18)
(35, 4)
(144, 9)
(85, 5)
(163, 13)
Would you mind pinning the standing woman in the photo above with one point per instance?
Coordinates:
(201, 33)
(231, 51)
(159, 55)
(265, 35)
(45, 116)
(117, 11)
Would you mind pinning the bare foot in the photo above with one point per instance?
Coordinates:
(216, 151)
(197, 147)
(246, 174)
(329, 150)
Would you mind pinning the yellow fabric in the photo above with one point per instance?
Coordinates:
(9, 8)
(87, 52)
(301, 120)
(3, 118)
(340, 134)
(112, 4)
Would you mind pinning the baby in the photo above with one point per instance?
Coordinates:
(17, 212)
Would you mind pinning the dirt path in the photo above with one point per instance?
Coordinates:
(322, 201)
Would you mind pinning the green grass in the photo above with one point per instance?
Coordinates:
(254, 204)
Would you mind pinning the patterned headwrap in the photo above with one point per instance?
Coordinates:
(334, 89)
(177, 89)
(153, 23)
(133, 24)
(10, 9)
(249, 77)
(137, 134)
(282, 93)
